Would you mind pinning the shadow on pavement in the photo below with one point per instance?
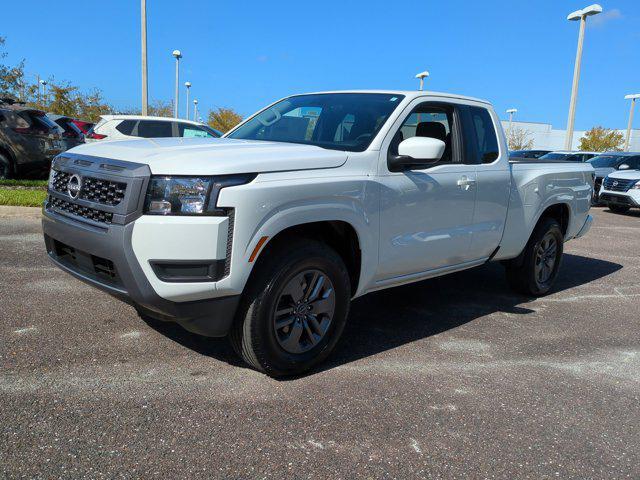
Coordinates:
(634, 212)
(390, 318)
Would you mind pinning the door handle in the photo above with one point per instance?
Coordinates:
(466, 183)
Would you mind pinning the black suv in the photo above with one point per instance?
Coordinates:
(28, 140)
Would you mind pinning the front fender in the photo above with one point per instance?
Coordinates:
(265, 210)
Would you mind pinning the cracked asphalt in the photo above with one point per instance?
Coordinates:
(454, 377)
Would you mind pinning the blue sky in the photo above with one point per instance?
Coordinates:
(244, 54)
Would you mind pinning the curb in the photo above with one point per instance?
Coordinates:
(28, 212)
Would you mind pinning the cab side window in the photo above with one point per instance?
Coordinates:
(155, 129)
(485, 135)
(429, 120)
(125, 127)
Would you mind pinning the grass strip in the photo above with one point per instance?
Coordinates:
(42, 184)
(22, 198)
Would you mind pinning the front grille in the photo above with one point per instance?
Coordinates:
(105, 192)
(618, 184)
(79, 210)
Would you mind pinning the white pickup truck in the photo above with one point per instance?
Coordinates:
(268, 233)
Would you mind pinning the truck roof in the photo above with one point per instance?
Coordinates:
(407, 93)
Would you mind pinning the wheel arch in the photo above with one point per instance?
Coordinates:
(559, 211)
(340, 235)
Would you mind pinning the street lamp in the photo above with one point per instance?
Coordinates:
(195, 109)
(511, 112)
(422, 76)
(44, 90)
(582, 16)
(633, 104)
(178, 55)
(188, 85)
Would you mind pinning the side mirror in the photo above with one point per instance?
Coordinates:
(623, 166)
(416, 152)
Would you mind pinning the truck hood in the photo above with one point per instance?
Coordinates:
(214, 156)
(626, 174)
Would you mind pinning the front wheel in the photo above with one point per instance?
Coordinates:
(618, 208)
(294, 309)
(536, 270)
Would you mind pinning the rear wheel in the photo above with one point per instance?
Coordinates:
(618, 208)
(5, 167)
(536, 270)
(294, 309)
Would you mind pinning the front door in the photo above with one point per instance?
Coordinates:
(426, 214)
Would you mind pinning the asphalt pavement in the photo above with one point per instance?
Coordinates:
(454, 377)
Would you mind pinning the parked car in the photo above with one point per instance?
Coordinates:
(28, 140)
(83, 126)
(268, 233)
(620, 190)
(72, 136)
(565, 156)
(119, 127)
(518, 154)
(609, 162)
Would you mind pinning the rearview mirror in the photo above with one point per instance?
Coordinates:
(623, 166)
(415, 153)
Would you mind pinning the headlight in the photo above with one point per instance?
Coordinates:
(637, 185)
(188, 195)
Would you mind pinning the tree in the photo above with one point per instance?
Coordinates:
(224, 119)
(518, 139)
(157, 108)
(61, 98)
(600, 139)
(11, 78)
(161, 108)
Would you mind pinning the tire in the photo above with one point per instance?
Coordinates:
(5, 167)
(272, 349)
(535, 271)
(618, 208)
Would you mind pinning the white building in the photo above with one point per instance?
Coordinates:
(546, 137)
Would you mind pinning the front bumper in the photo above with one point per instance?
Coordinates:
(630, 198)
(105, 260)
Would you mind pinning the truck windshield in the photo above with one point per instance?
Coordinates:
(338, 121)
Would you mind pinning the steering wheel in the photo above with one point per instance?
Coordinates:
(362, 136)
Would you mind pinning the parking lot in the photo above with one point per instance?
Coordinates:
(453, 377)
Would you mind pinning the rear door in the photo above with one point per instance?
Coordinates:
(493, 177)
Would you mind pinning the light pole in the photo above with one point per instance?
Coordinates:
(422, 76)
(195, 109)
(143, 38)
(44, 90)
(633, 104)
(511, 112)
(178, 55)
(188, 85)
(582, 16)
